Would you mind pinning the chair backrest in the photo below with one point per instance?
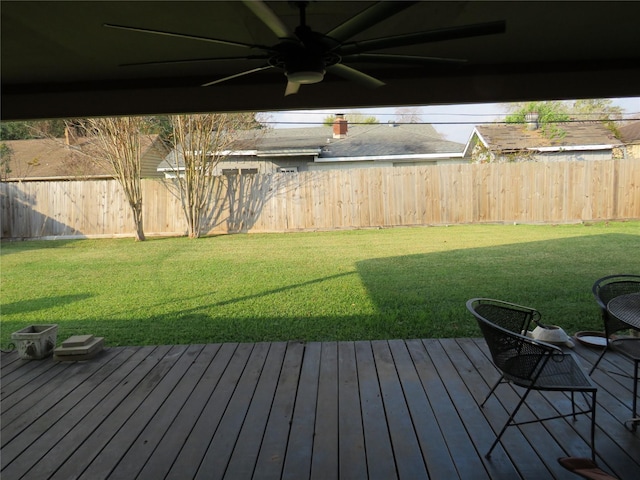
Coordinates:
(610, 287)
(517, 356)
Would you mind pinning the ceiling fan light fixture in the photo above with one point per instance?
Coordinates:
(305, 77)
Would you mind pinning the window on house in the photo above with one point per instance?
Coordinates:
(249, 171)
(230, 171)
(288, 170)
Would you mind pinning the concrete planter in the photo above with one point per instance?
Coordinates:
(35, 341)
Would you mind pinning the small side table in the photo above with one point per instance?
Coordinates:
(626, 308)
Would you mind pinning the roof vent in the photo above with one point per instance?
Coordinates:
(532, 120)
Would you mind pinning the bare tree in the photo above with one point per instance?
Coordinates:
(118, 141)
(408, 115)
(200, 142)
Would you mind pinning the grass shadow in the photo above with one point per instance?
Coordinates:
(428, 292)
(43, 303)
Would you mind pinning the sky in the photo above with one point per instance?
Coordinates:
(455, 122)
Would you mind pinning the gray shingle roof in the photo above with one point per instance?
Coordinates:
(365, 140)
(388, 139)
(361, 140)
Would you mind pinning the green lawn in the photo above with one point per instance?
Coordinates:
(348, 285)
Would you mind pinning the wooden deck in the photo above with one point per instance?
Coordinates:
(384, 409)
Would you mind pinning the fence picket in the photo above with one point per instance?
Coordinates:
(529, 192)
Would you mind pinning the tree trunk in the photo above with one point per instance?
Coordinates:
(137, 219)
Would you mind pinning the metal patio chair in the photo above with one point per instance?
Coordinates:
(604, 290)
(528, 363)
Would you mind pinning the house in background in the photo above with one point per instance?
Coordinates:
(630, 136)
(518, 142)
(50, 159)
(290, 150)
(385, 145)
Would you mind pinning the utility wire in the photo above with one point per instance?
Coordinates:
(457, 122)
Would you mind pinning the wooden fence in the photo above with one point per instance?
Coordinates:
(529, 192)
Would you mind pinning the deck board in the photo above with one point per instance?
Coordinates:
(274, 443)
(324, 462)
(382, 409)
(144, 445)
(300, 443)
(406, 449)
(170, 444)
(373, 411)
(429, 435)
(249, 440)
(197, 443)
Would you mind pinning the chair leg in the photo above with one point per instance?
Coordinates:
(635, 388)
(604, 350)
(510, 421)
(634, 423)
(593, 426)
(507, 423)
(493, 389)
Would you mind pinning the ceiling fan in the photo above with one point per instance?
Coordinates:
(305, 55)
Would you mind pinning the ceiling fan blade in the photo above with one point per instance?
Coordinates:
(450, 33)
(241, 74)
(366, 19)
(270, 19)
(189, 37)
(399, 59)
(292, 88)
(195, 60)
(355, 75)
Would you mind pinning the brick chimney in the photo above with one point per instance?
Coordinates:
(340, 126)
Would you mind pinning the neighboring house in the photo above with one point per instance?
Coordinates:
(58, 159)
(518, 142)
(630, 136)
(339, 146)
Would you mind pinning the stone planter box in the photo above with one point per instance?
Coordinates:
(35, 341)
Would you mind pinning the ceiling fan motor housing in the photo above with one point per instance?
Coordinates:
(304, 70)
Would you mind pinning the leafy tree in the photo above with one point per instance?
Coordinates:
(6, 154)
(14, 130)
(548, 112)
(601, 109)
(353, 118)
(199, 143)
(34, 129)
(552, 113)
(596, 109)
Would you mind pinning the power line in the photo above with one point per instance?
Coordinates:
(482, 122)
(419, 114)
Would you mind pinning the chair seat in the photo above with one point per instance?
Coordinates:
(630, 347)
(529, 363)
(560, 372)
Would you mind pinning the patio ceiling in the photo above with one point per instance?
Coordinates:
(58, 60)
